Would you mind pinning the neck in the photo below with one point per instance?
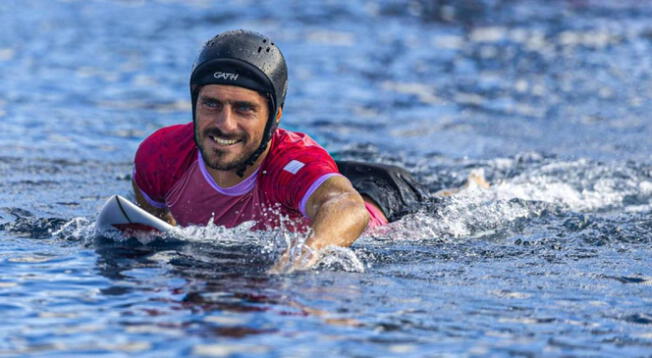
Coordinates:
(229, 178)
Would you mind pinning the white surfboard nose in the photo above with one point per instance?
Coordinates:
(111, 214)
(119, 211)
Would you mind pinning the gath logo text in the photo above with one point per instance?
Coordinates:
(226, 76)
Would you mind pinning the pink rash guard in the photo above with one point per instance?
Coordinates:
(170, 173)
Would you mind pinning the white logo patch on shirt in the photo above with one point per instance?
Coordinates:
(293, 166)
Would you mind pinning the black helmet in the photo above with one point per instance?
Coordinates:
(245, 59)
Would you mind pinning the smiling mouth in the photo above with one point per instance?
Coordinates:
(222, 141)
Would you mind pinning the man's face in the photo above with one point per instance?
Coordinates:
(229, 126)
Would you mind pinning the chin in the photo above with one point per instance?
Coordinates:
(220, 162)
(225, 160)
(224, 165)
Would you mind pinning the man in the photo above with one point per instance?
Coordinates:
(233, 164)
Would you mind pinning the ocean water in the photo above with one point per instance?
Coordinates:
(551, 100)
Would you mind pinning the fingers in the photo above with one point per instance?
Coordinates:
(296, 258)
(279, 266)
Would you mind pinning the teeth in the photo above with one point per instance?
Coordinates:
(221, 141)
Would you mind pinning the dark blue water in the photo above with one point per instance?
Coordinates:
(551, 100)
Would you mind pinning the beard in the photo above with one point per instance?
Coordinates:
(216, 159)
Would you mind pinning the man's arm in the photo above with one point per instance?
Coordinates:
(337, 212)
(162, 214)
(338, 218)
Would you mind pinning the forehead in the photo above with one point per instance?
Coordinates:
(231, 93)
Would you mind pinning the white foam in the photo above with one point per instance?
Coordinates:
(579, 185)
(77, 228)
(267, 243)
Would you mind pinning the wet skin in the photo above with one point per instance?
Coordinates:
(229, 126)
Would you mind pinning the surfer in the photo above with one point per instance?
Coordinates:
(234, 164)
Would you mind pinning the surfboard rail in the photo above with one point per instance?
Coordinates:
(121, 214)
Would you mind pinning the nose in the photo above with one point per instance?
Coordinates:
(226, 121)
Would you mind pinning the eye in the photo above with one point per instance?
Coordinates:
(210, 103)
(244, 107)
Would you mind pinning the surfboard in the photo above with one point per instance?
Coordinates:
(125, 216)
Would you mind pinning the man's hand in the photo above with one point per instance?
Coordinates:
(295, 258)
(338, 218)
(162, 214)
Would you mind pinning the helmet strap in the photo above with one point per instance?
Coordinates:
(270, 127)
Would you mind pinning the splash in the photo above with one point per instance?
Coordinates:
(580, 185)
(76, 229)
(340, 259)
(253, 247)
(543, 188)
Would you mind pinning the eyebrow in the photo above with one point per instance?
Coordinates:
(232, 103)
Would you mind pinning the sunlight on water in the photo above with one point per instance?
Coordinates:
(549, 99)
(262, 243)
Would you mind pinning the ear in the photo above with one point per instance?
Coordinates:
(279, 113)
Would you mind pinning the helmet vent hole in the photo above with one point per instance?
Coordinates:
(264, 41)
(260, 49)
(268, 49)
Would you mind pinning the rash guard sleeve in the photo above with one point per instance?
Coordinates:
(297, 167)
(160, 161)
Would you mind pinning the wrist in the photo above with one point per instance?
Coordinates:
(314, 243)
